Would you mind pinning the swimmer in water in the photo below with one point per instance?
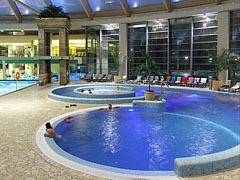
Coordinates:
(69, 119)
(51, 131)
(238, 106)
(110, 107)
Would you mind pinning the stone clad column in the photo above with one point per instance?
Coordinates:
(223, 38)
(45, 27)
(123, 39)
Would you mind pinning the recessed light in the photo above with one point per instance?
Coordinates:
(98, 8)
(135, 5)
(1, 30)
(22, 30)
(26, 12)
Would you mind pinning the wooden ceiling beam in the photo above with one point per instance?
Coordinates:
(125, 7)
(15, 10)
(87, 9)
(218, 2)
(27, 7)
(168, 5)
(48, 2)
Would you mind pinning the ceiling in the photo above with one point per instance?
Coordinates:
(22, 9)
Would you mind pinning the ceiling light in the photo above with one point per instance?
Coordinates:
(157, 21)
(186, 57)
(1, 30)
(98, 8)
(109, 1)
(22, 30)
(26, 12)
(135, 5)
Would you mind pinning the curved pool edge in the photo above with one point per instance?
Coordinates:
(80, 100)
(207, 164)
(183, 167)
(49, 148)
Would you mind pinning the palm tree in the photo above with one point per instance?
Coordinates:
(53, 12)
(148, 69)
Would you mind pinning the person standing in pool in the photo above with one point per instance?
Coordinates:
(51, 131)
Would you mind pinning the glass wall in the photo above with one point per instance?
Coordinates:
(110, 49)
(136, 44)
(204, 41)
(92, 50)
(180, 44)
(158, 42)
(235, 32)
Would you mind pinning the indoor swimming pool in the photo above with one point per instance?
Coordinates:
(10, 86)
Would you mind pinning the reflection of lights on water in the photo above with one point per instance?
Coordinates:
(193, 95)
(130, 110)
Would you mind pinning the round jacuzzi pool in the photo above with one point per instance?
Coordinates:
(96, 94)
(147, 142)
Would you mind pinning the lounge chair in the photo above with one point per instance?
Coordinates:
(136, 81)
(156, 80)
(124, 79)
(184, 81)
(178, 81)
(196, 82)
(190, 81)
(235, 88)
(203, 82)
(109, 78)
(172, 81)
(226, 86)
(100, 78)
(168, 79)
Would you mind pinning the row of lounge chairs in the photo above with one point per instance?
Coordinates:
(177, 81)
(98, 78)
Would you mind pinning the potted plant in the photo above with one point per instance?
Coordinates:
(233, 65)
(148, 69)
(115, 66)
(219, 62)
(222, 61)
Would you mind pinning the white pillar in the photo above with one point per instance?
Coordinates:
(223, 38)
(123, 39)
(4, 69)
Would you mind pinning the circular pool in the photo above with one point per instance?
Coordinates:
(100, 94)
(104, 92)
(142, 141)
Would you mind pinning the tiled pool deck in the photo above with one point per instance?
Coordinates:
(22, 113)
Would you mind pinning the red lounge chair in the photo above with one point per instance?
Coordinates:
(168, 79)
(184, 81)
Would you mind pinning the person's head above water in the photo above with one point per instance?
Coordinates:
(48, 125)
(110, 106)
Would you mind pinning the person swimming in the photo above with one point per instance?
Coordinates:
(51, 131)
(238, 106)
(110, 107)
(69, 119)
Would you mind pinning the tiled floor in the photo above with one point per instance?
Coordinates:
(22, 113)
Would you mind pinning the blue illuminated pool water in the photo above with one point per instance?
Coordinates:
(142, 139)
(8, 86)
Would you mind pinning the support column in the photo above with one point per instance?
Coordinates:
(4, 69)
(64, 51)
(223, 38)
(123, 49)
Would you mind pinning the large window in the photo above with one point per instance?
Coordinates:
(110, 49)
(180, 44)
(235, 32)
(158, 42)
(204, 41)
(136, 44)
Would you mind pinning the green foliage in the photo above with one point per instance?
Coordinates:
(224, 60)
(53, 12)
(115, 64)
(148, 69)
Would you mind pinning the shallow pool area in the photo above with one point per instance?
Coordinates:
(193, 124)
(10, 86)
